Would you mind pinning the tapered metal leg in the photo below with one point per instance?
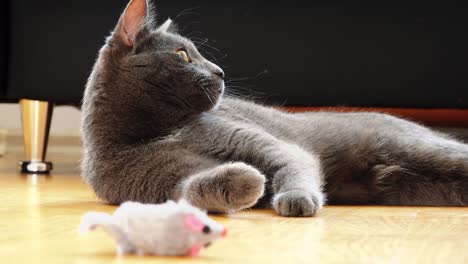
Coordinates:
(36, 117)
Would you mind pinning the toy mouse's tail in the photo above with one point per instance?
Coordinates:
(92, 220)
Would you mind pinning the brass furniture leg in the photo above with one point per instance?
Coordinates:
(36, 117)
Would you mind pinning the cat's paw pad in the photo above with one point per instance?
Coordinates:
(297, 203)
(242, 185)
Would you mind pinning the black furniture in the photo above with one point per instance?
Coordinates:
(297, 53)
(3, 47)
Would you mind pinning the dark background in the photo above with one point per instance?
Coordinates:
(314, 53)
(3, 46)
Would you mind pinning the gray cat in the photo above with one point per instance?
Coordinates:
(156, 126)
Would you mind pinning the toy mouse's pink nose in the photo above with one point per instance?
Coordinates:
(224, 232)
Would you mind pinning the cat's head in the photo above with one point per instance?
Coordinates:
(153, 66)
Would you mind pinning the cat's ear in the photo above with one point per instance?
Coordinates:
(168, 26)
(138, 16)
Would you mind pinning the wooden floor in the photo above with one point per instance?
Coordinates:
(39, 217)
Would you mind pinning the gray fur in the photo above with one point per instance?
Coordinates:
(156, 127)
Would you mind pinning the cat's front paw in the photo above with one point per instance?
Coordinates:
(297, 203)
(226, 188)
(242, 185)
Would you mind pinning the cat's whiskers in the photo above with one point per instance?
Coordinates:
(188, 11)
(234, 95)
(193, 32)
(209, 46)
(201, 82)
(207, 95)
(210, 54)
(247, 78)
(189, 24)
(201, 42)
(247, 93)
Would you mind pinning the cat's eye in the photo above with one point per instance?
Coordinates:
(184, 55)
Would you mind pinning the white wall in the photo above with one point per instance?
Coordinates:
(65, 120)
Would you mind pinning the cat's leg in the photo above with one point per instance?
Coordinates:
(156, 172)
(225, 188)
(296, 177)
(432, 171)
(297, 180)
(150, 173)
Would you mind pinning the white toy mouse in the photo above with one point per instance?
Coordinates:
(159, 229)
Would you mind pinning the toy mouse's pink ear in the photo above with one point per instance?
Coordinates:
(193, 223)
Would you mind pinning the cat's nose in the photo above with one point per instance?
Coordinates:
(215, 69)
(220, 73)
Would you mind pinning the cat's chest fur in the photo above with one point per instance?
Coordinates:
(230, 116)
